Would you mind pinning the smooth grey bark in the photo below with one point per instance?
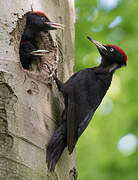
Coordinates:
(30, 110)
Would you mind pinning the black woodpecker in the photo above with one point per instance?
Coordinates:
(36, 22)
(83, 93)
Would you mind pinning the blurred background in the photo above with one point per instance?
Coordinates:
(108, 149)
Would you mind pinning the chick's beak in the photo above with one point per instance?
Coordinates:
(99, 45)
(55, 25)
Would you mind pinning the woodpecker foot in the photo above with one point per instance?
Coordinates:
(51, 70)
(47, 72)
(39, 52)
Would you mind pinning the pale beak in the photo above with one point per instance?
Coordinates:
(39, 52)
(55, 25)
(99, 45)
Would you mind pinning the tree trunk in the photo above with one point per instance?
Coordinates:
(30, 110)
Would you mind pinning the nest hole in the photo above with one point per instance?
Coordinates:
(44, 41)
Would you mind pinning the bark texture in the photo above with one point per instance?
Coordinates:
(31, 110)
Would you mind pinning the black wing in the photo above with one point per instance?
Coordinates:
(84, 93)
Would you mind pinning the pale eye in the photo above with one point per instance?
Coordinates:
(43, 18)
(112, 50)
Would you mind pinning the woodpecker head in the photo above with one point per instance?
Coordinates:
(40, 22)
(112, 56)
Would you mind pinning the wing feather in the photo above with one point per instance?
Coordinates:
(84, 94)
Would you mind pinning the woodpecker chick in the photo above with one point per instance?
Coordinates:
(36, 22)
(83, 93)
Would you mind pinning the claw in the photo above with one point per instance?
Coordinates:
(40, 52)
(45, 69)
(51, 72)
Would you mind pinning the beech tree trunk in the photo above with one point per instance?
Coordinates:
(30, 110)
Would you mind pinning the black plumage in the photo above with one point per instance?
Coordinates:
(83, 93)
(36, 22)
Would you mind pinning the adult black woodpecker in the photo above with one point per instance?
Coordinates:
(36, 22)
(83, 93)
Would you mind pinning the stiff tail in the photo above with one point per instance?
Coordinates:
(55, 147)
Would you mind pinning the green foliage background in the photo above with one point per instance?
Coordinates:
(98, 157)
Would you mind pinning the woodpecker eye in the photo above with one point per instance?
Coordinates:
(112, 50)
(43, 18)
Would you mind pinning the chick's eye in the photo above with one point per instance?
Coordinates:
(43, 18)
(112, 50)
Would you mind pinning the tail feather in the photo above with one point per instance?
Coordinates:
(55, 147)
